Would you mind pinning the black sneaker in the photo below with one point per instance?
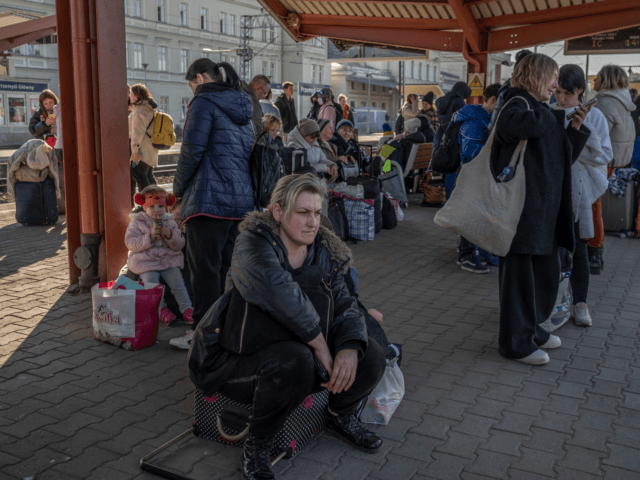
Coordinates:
(350, 429)
(471, 263)
(256, 464)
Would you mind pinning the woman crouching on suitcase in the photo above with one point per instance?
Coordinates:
(256, 345)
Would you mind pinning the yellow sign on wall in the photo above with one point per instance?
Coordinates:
(476, 82)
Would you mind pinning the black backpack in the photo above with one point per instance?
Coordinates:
(338, 217)
(265, 167)
(445, 155)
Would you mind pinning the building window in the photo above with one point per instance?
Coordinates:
(412, 66)
(232, 25)
(126, 7)
(137, 55)
(184, 108)
(373, 104)
(313, 73)
(204, 19)
(272, 71)
(435, 73)
(162, 10)
(162, 59)
(223, 23)
(353, 85)
(364, 86)
(363, 103)
(33, 49)
(17, 109)
(184, 15)
(353, 104)
(373, 87)
(128, 53)
(184, 60)
(428, 72)
(420, 71)
(163, 104)
(264, 34)
(137, 8)
(320, 74)
(272, 34)
(383, 106)
(264, 68)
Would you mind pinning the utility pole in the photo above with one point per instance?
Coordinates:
(245, 51)
(369, 104)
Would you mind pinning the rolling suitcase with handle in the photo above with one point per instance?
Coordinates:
(619, 213)
(36, 202)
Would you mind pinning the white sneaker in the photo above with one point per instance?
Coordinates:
(553, 342)
(536, 358)
(580, 314)
(182, 342)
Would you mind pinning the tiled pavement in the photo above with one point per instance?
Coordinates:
(73, 408)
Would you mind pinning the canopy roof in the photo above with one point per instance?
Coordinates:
(487, 25)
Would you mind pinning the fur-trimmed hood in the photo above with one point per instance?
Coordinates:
(336, 247)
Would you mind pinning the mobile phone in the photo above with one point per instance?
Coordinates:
(588, 104)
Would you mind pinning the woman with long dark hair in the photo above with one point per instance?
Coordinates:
(589, 181)
(530, 272)
(213, 178)
(43, 121)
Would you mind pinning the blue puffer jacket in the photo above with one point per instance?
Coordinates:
(473, 132)
(213, 170)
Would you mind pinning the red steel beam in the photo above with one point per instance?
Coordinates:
(404, 2)
(522, 37)
(114, 134)
(477, 2)
(423, 39)
(24, 28)
(561, 13)
(28, 38)
(377, 22)
(67, 99)
(475, 35)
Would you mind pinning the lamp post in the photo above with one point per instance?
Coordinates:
(145, 65)
(368, 103)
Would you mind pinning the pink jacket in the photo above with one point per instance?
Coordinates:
(145, 256)
(328, 111)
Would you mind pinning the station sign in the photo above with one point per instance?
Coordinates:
(616, 41)
(22, 87)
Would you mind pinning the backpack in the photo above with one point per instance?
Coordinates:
(445, 155)
(164, 136)
(265, 168)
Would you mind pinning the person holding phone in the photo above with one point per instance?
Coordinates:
(529, 275)
(588, 180)
(43, 121)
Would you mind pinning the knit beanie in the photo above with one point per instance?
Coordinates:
(308, 127)
(429, 98)
(342, 123)
(322, 124)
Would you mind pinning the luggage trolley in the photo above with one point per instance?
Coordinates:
(223, 420)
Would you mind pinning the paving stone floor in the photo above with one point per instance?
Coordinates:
(74, 408)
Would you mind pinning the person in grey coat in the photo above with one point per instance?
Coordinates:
(257, 89)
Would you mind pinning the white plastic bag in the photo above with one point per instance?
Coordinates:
(386, 397)
(562, 310)
(400, 214)
(355, 191)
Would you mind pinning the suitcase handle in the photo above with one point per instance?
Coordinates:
(226, 436)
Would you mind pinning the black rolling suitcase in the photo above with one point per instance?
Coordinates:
(36, 202)
(619, 213)
(372, 190)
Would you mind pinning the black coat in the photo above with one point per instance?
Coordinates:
(407, 144)
(350, 148)
(547, 216)
(636, 116)
(287, 111)
(452, 102)
(37, 125)
(426, 129)
(260, 271)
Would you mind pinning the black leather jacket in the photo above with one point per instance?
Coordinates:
(259, 271)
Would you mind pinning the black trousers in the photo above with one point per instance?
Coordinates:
(278, 378)
(210, 243)
(580, 272)
(142, 175)
(528, 290)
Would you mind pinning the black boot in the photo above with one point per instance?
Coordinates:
(256, 464)
(594, 260)
(349, 428)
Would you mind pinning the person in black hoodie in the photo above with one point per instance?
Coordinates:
(453, 101)
(529, 274)
(505, 86)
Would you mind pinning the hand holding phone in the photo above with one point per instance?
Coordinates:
(587, 105)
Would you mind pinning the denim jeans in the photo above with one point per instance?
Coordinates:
(210, 243)
(276, 379)
(173, 277)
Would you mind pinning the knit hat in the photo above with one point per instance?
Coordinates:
(429, 98)
(386, 127)
(308, 127)
(412, 125)
(322, 124)
(342, 123)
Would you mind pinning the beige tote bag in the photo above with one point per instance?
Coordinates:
(483, 210)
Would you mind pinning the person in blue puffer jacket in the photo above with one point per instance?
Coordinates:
(213, 178)
(472, 137)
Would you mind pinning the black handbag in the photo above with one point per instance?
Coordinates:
(248, 328)
(338, 217)
(265, 167)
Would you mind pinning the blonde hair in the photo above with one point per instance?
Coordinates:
(341, 96)
(271, 122)
(289, 188)
(613, 78)
(534, 72)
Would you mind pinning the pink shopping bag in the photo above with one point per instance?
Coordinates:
(126, 318)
